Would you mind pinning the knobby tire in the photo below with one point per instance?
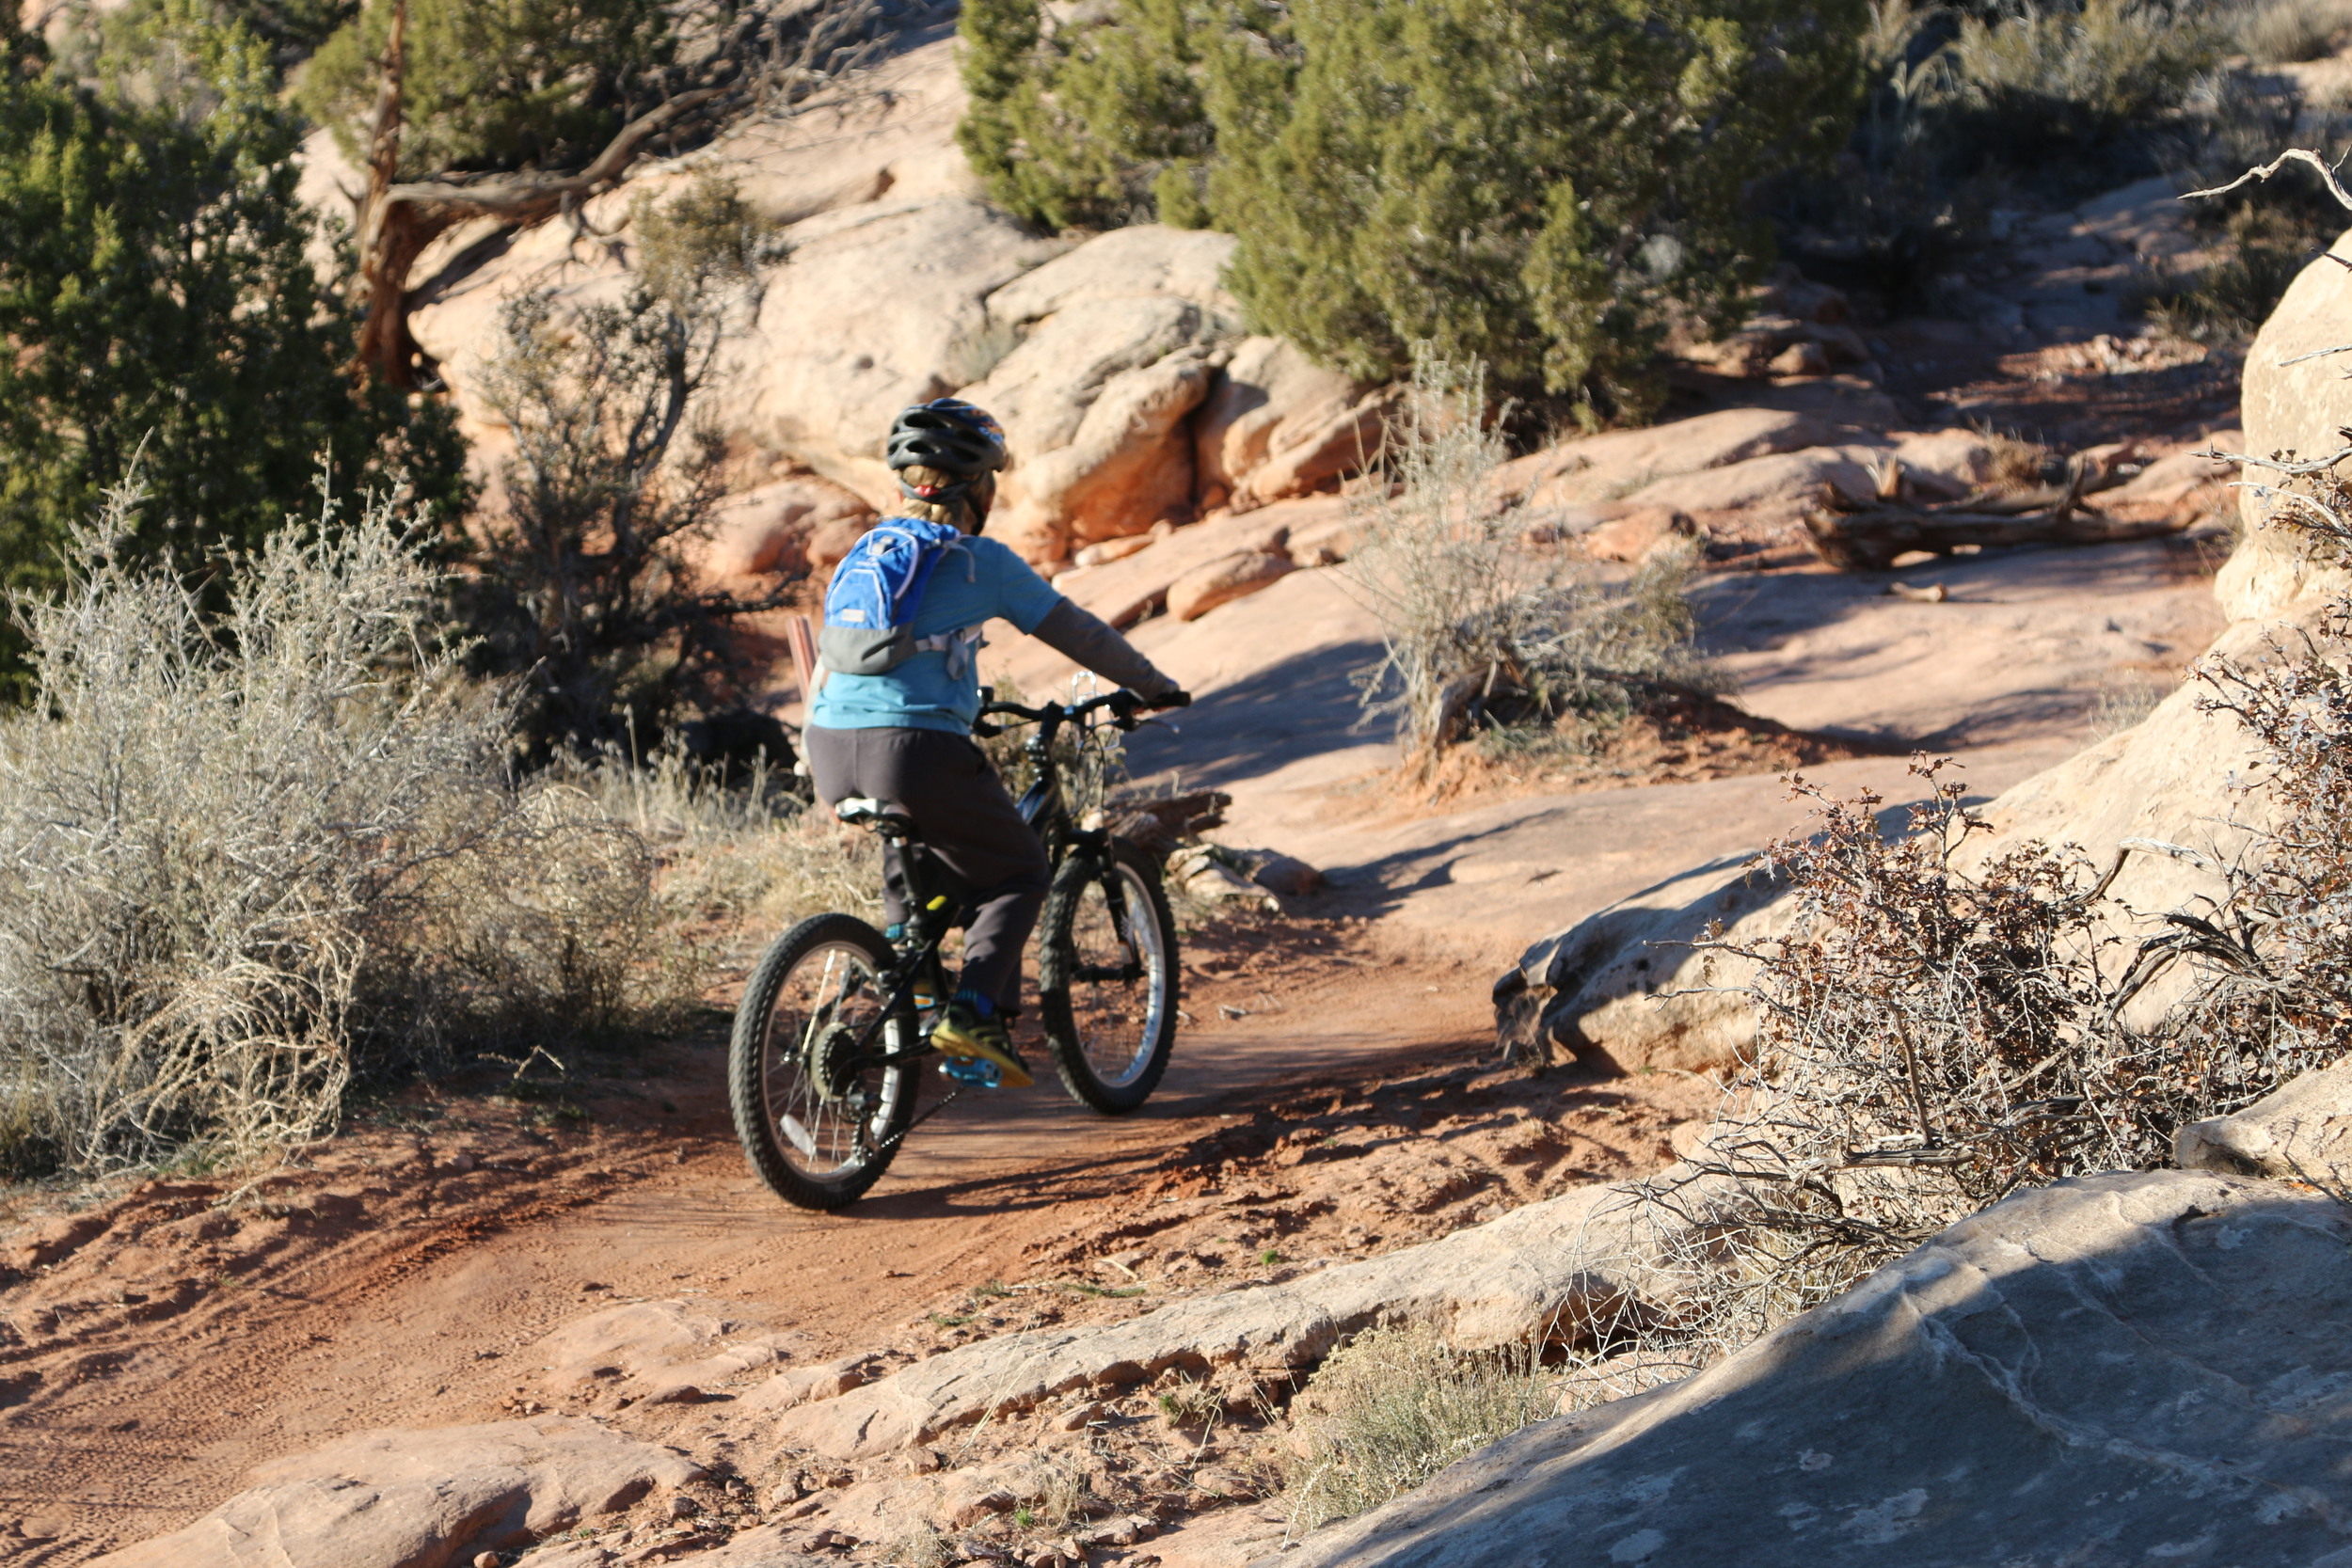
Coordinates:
(1130, 1025)
(755, 1060)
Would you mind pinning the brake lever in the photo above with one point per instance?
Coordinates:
(985, 730)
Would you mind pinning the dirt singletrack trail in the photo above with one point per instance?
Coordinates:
(395, 1279)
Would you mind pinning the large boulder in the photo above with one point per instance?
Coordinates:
(799, 523)
(2115, 1369)
(1126, 590)
(890, 137)
(2301, 1130)
(1273, 403)
(1114, 345)
(880, 306)
(2295, 401)
(421, 1499)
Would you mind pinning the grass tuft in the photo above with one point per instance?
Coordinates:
(1392, 1408)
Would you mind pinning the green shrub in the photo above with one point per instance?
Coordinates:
(1538, 186)
(292, 30)
(2044, 77)
(538, 84)
(2226, 303)
(2255, 241)
(155, 299)
(1963, 107)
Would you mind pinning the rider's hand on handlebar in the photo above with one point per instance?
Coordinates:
(1126, 705)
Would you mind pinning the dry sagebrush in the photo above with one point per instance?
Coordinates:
(200, 822)
(1392, 1407)
(1484, 637)
(242, 854)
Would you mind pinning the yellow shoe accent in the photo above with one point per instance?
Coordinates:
(960, 1033)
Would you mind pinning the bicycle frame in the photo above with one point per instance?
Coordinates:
(1045, 807)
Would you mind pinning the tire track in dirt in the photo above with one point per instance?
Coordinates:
(423, 1269)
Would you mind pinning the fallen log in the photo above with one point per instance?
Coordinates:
(1869, 538)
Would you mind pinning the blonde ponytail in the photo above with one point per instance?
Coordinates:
(966, 511)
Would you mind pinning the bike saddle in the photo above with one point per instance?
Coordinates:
(879, 816)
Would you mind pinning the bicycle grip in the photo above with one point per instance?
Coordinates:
(1173, 699)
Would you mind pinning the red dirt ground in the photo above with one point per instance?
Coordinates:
(155, 1344)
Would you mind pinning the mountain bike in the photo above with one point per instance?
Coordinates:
(835, 1023)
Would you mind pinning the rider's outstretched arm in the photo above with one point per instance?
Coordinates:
(1076, 634)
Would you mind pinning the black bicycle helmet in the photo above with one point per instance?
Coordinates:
(950, 434)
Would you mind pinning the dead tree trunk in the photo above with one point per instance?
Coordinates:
(387, 228)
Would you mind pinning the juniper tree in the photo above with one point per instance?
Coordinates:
(533, 84)
(157, 308)
(1539, 184)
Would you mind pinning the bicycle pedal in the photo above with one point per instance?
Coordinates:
(973, 1073)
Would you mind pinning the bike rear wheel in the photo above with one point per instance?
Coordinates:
(817, 1126)
(1106, 977)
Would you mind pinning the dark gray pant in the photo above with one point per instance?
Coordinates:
(967, 821)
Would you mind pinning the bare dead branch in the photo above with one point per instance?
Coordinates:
(2325, 170)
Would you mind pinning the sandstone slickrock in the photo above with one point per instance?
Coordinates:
(1271, 400)
(880, 306)
(764, 1546)
(1539, 1270)
(1114, 345)
(1637, 535)
(1849, 470)
(419, 1500)
(653, 1351)
(1145, 261)
(2116, 1370)
(1603, 467)
(1623, 985)
(1628, 982)
(1223, 580)
(1307, 453)
(778, 528)
(1325, 541)
(2292, 401)
(1127, 466)
(2301, 1130)
(1124, 592)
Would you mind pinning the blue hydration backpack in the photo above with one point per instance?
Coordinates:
(876, 592)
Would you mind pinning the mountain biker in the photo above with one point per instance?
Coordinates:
(904, 735)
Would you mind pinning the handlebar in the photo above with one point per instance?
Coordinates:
(1123, 705)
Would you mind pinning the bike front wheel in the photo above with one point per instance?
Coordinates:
(819, 1121)
(1106, 977)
